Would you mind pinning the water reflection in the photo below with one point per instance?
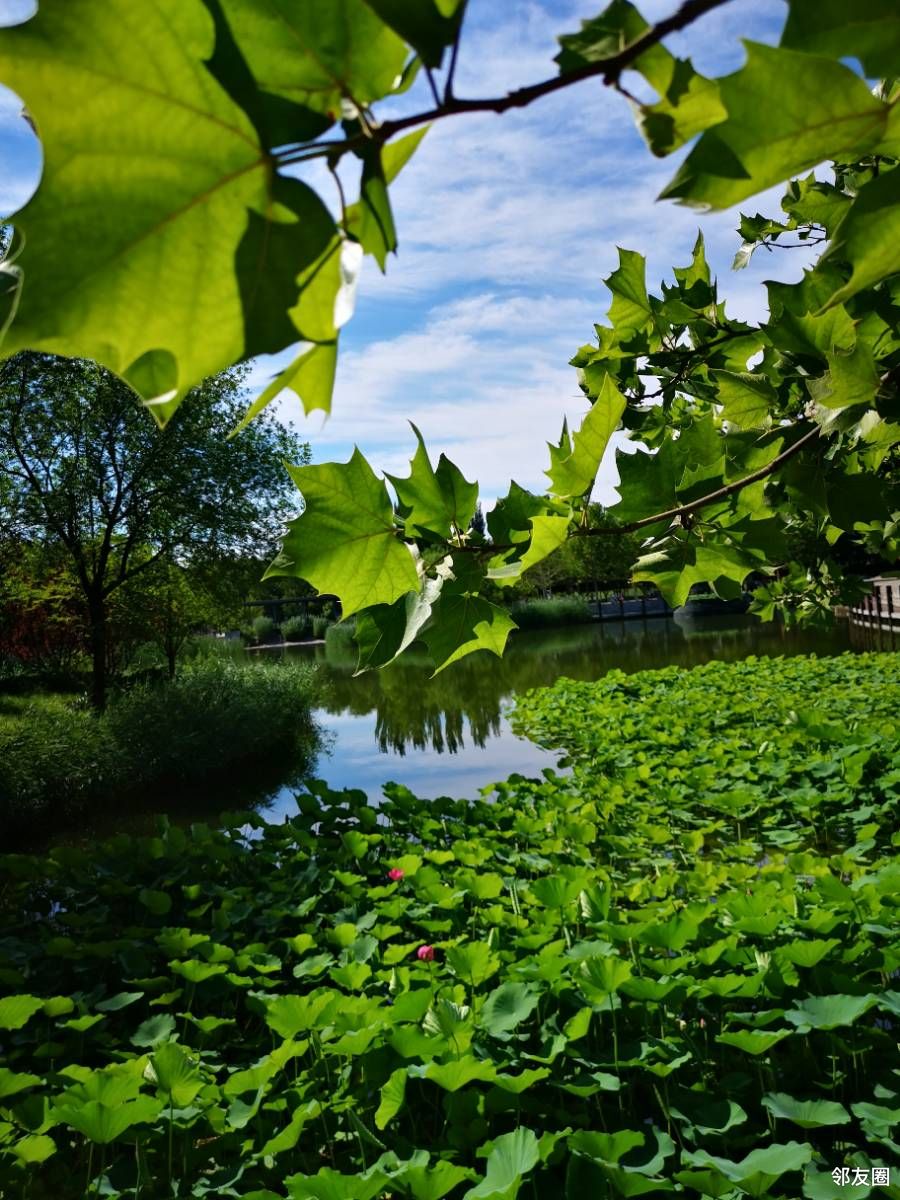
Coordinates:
(463, 706)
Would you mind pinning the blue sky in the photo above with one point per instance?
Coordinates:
(507, 226)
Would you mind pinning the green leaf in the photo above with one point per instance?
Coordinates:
(508, 1006)
(787, 112)
(464, 622)
(756, 1173)
(385, 631)
(473, 962)
(159, 903)
(12, 1082)
(290, 1015)
(34, 1148)
(605, 1147)
(451, 1076)
(511, 1157)
(393, 1094)
(688, 102)
(376, 230)
(318, 52)
(310, 377)
(16, 1011)
(176, 1073)
(683, 562)
(747, 400)
(829, 1012)
(809, 1114)
(428, 25)
(573, 467)
(345, 543)
(437, 502)
(154, 1030)
(103, 1125)
(119, 1001)
(173, 214)
(869, 31)
(851, 379)
(630, 311)
(869, 236)
(754, 1041)
(434, 1181)
(289, 1136)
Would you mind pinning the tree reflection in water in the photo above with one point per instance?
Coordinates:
(416, 712)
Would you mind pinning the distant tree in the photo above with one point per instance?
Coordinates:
(478, 524)
(606, 558)
(85, 469)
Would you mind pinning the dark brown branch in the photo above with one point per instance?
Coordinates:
(609, 69)
(685, 510)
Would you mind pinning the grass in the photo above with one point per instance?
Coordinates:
(671, 971)
(540, 614)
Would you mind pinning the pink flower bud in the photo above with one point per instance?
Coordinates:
(395, 873)
(425, 953)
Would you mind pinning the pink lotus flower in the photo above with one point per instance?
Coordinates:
(425, 953)
(396, 873)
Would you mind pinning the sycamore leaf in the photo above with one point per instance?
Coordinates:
(385, 631)
(869, 236)
(463, 624)
(154, 182)
(428, 25)
(463, 621)
(682, 562)
(573, 468)
(787, 112)
(439, 502)
(310, 377)
(746, 399)
(630, 311)
(868, 30)
(851, 379)
(318, 52)
(688, 102)
(345, 542)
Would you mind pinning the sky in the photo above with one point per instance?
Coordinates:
(507, 226)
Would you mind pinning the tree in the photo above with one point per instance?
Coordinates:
(741, 424)
(89, 474)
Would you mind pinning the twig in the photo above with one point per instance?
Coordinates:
(609, 69)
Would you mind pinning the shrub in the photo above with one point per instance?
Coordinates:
(264, 629)
(57, 757)
(320, 626)
(294, 629)
(563, 610)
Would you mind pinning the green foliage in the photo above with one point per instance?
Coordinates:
(264, 628)
(295, 629)
(745, 430)
(539, 614)
(57, 758)
(695, 931)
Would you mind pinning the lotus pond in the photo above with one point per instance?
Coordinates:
(671, 970)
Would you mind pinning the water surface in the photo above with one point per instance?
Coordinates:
(450, 735)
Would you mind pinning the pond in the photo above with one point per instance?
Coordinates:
(450, 735)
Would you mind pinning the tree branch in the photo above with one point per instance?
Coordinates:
(685, 510)
(609, 69)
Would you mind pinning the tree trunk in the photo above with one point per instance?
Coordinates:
(171, 656)
(99, 668)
